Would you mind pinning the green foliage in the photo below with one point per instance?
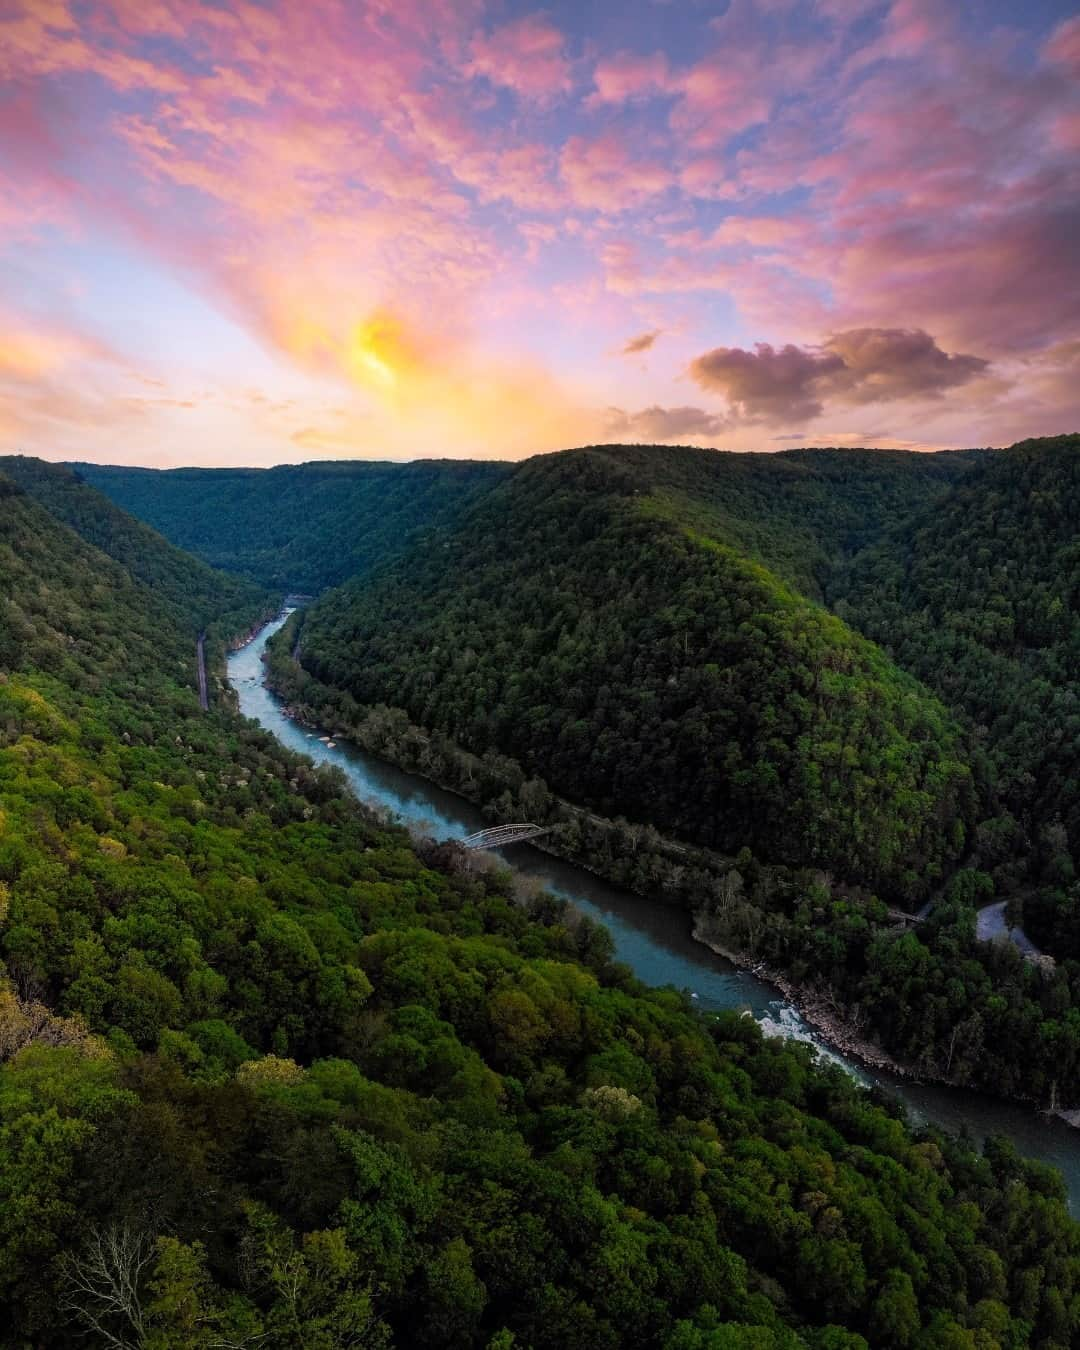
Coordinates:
(301, 1089)
(980, 598)
(197, 594)
(296, 527)
(309, 1091)
(639, 667)
(598, 618)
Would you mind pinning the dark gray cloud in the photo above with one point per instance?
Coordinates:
(769, 384)
(861, 365)
(641, 343)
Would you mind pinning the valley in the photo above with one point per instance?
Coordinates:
(654, 942)
(539, 675)
(279, 1063)
(580, 649)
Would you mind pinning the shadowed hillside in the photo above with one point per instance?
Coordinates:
(979, 597)
(296, 527)
(589, 631)
(201, 593)
(589, 623)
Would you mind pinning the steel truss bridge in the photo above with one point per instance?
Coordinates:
(499, 835)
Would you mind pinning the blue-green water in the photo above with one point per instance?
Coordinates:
(651, 937)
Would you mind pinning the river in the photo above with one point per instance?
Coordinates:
(651, 937)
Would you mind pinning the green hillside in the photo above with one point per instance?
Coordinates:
(798, 511)
(579, 621)
(310, 526)
(295, 527)
(980, 598)
(195, 592)
(588, 632)
(69, 610)
(269, 1078)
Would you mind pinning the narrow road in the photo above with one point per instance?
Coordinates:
(991, 923)
(200, 667)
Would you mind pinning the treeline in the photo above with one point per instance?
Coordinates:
(300, 527)
(269, 1078)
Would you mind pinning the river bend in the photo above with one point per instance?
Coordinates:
(651, 937)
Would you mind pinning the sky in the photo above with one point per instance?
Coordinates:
(274, 230)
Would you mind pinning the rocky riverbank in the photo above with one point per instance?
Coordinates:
(820, 1012)
(817, 1010)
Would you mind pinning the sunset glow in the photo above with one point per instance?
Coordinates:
(244, 233)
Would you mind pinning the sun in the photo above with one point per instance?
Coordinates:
(377, 351)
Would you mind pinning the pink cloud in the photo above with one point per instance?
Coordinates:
(527, 55)
(754, 64)
(664, 424)
(1065, 130)
(708, 177)
(629, 76)
(720, 98)
(1063, 46)
(603, 175)
(912, 198)
(495, 168)
(885, 165)
(760, 233)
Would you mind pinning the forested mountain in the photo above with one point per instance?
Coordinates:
(578, 621)
(296, 527)
(315, 525)
(269, 1078)
(196, 594)
(589, 631)
(798, 511)
(78, 613)
(980, 598)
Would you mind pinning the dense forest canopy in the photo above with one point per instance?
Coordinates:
(796, 511)
(196, 593)
(980, 598)
(296, 527)
(575, 622)
(309, 526)
(269, 1077)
